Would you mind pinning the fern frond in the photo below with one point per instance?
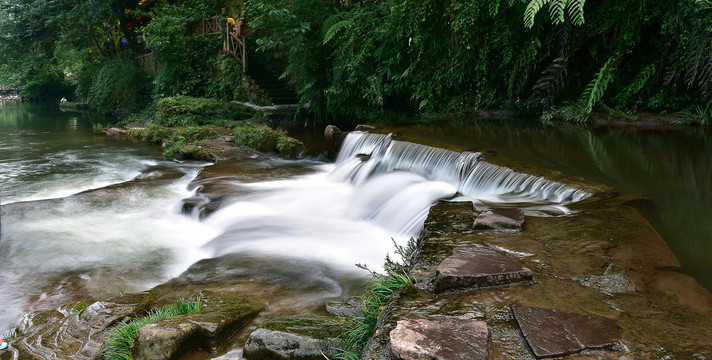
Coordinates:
(636, 85)
(575, 8)
(335, 29)
(493, 7)
(556, 11)
(532, 9)
(597, 87)
(551, 80)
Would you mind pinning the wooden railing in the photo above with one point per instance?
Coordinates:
(210, 26)
(234, 42)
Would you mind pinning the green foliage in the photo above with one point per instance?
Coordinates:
(180, 142)
(81, 306)
(371, 59)
(635, 86)
(264, 138)
(557, 9)
(48, 87)
(596, 88)
(376, 295)
(122, 337)
(119, 88)
(12, 334)
(696, 115)
(189, 111)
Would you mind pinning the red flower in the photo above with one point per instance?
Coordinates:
(129, 25)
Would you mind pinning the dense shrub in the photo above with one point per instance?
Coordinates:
(264, 138)
(559, 58)
(188, 111)
(48, 87)
(119, 88)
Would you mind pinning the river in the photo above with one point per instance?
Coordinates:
(73, 228)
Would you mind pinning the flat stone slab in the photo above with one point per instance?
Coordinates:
(500, 219)
(440, 339)
(552, 332)
(478, 267)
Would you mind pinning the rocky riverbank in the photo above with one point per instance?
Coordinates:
(496, 283)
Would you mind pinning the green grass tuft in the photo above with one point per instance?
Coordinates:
(376, 296)
(122, 337)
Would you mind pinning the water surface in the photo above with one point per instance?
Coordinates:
(672, 166)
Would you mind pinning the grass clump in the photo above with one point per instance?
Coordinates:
(264, 138)
(190, 111)
(81, 306)
(122, 337)
(376, 296)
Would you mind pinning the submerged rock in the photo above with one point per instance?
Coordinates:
(552, 332)
(475, 266)
(350, 307)
(440, 339)
(294, 338)
(500, 219)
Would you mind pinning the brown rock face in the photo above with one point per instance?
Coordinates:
(476, 266)
(164, 339)
(440, 339)
(500, 219)
(551, 332)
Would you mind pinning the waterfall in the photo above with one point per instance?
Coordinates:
(364, 156)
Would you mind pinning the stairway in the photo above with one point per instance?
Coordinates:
(278, 91)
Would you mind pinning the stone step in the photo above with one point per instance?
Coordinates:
(552, 332)
(440, 339)
(476, 267)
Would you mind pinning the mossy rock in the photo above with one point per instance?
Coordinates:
(220, 317)
(189, 111)
(263, 138)
(297, 337)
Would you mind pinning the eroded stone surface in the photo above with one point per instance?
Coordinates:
(475, 266)
(552, 332)
(302, 337)
(266, 344)
(440, 339)
(164, 339)
(500, 219)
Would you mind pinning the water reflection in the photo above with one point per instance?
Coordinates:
(674, 167)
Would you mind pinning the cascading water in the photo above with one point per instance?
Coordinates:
(131, 236)
(473, 178)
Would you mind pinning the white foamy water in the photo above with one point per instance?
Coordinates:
(94, 245)
(317, 219)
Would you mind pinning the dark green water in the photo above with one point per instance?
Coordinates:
(673, 166)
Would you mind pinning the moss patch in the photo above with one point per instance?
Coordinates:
(188, 111)
(313, 326)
